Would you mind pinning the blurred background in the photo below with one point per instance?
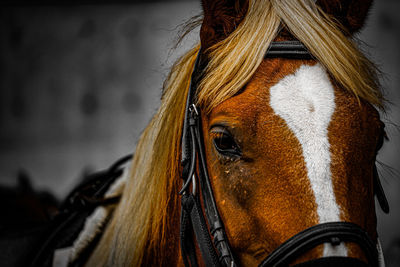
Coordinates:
(80, 81)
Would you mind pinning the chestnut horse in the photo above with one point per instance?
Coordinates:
(289, 143)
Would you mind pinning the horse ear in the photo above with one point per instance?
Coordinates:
(221, 17)
(350, 13)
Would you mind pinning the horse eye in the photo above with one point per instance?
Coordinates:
(225, 144)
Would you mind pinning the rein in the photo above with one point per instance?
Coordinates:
(208, 231)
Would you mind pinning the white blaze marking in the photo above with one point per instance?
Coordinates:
(306, 101)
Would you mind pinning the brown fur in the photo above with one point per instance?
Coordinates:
(354, 136)
(265, 197)
(256, 194)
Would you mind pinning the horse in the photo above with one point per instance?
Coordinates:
(262, 151)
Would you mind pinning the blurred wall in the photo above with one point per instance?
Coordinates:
(79, 83)
(382, 34)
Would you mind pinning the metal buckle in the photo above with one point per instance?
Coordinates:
(193, 109)
(194, 184)
(190, 180)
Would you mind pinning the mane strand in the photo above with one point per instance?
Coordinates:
(233, 61)
(150, 197)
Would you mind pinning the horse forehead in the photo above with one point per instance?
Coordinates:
(305, 100)
(254, 99)
(309, 90)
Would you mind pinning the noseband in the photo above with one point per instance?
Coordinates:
(208, 231)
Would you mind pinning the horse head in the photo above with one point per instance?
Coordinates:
(274, 146)
(291, 148)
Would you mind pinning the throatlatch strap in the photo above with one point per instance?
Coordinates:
(188, 249)
(192, 153)
(191, 205)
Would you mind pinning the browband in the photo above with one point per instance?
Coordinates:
(288, 49)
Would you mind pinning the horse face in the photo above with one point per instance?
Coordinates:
(291, 150)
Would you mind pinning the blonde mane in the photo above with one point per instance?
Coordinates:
(142, 222)
(234, 60)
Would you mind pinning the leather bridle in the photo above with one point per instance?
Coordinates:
(208, 231)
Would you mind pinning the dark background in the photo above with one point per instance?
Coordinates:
(79, 81)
